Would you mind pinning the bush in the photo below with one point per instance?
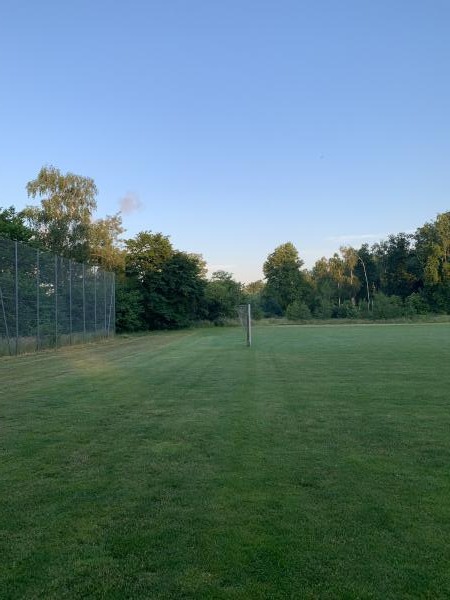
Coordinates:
(220, 321)
(323, 309)
(437, 297)
(270, 307)
(415, 304)
(347, 310)
(387, 307)
(364, 311)
(129, 309)
(297, 311)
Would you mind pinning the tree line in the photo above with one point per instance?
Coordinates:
(160, 287)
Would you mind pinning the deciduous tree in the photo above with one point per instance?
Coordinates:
(62, 221)
(285, 280)
(104, 243)
(223, 295)
(147, 252)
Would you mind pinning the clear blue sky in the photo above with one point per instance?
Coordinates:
(237, 125)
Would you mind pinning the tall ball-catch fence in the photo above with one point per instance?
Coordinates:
(47, 301)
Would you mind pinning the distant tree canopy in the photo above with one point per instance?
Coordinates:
(160, 286)
(404, 275)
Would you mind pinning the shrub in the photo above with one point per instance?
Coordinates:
(129, 309)
(323, 309)
(415, 304)
(347, 310)
(298, 310)
(270, 307)
(387, 307)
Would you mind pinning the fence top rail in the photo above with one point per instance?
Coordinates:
(48, 253)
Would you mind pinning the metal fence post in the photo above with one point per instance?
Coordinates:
(95, 301)
(113, 275)
(111, 305)
(16, 296)
(84, 306)
(38, 316)
(104, 301)
(70, 302)
(56, 301)
(5, 320)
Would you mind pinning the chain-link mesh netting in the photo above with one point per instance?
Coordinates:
(50, 301)
(245, 318)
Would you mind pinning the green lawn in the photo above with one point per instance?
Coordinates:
(315, 464)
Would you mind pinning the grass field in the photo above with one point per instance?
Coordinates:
(315, 464)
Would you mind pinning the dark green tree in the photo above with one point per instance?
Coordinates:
(166, 286)
(146, 253)
(13, 227)
(223, 295)
(129, 305)
(174, 294)
(253, 294)
(285, 281)
(398, 267)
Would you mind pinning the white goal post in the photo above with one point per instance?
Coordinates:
(245, 317)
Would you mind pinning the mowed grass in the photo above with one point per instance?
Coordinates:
(315, 464)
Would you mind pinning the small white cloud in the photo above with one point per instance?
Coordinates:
(130, 203)
(213, 268)
(309, 252)
(360, 237)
